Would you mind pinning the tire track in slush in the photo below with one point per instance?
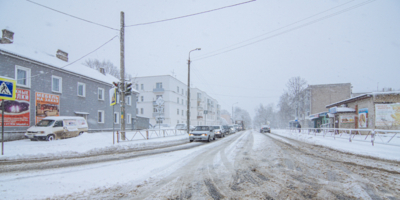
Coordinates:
(195, 177)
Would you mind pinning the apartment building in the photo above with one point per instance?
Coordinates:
(49, 84)
(174, 108)
(205, 110)
(174, 95)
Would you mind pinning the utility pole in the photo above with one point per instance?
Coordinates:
(188, 97)
(122, 70)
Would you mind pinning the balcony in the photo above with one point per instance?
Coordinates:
(158, 90)
(200, 108)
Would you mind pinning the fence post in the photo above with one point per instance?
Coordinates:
(372, 137)
(117, 137)
(147, 134)
(350, 136)
(163, 132)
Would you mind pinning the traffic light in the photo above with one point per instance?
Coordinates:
(128, 89)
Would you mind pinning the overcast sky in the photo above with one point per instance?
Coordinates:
(322, 41)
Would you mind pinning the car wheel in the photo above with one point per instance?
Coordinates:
(209, 139)
(33, 140)
(50, 138)
(80, 133)
(214, 137)
(190, 140)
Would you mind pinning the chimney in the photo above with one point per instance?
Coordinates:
(102, 70)
(62, 55)
(7, 38)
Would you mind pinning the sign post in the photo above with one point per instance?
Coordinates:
(113, 101)
(7, 92)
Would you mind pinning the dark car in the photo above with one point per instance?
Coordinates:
(265, 129)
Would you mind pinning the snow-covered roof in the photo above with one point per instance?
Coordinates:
(363, 96)
(48, 57)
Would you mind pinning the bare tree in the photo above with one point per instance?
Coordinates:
(296, 89)
(265, 115)
(108, 66)
(241, 114)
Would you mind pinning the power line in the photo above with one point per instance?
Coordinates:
(72, 15)
(190, 15)
(292, 29)
(80, 57)
(278, 28)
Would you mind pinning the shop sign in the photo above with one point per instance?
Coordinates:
(347, 119)
(46, 105)
(16, 113)
(387, 114)
(314, 116)
(333, 110)
(363, 118)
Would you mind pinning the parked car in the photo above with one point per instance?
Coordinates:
(162, 126)
(265, 128)
(183, 127)
(205, 133)
(54, 128)
(218, 131)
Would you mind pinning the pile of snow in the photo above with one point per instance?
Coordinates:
(359, 146)
(87, 144)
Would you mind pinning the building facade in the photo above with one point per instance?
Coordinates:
(174, 108)
(317, 97)
(45, 88)
(376, 110)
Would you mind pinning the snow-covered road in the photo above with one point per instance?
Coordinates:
(246, 165)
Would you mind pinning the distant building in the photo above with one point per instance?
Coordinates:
(317, 97)
(174, 94)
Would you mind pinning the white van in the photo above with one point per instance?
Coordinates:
(54, 128)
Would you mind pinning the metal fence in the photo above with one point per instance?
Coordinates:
(385, 136)
(151, 133)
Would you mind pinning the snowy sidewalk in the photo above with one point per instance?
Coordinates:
(85, 145)
(358, 146)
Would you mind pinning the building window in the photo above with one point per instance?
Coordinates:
(182, 112)
(137, 86)
(101, 93)
(56, 84)
(100, 115)
(177, 111)
(158, 96)
(141, 86)
(23, 76)
(177, 100)
(177, 89)
(116, 118)
(137, 111)
(129, 100)
(182, 91)
(81, 89)
(158, 85)
(141, 111)
(129, 119)
(142, 98)
(182, 101)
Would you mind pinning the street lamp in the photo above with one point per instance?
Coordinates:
(232, 113)
(188, 93)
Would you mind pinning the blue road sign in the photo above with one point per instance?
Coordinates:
(7, 88)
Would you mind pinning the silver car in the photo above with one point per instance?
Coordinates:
(205, 133)
(218, 131)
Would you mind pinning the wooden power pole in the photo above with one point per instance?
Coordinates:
(122, 70)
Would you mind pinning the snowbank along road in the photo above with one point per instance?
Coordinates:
(246, 165)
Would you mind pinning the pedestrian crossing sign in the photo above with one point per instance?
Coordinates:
(7, 88)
